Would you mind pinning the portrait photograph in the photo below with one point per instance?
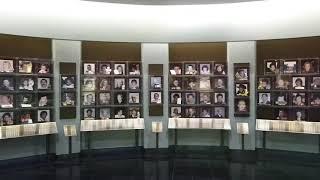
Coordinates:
(134, 112)
(6, 66)
(120, 113)
(6, 84)
(299, 99)
(315, 84)
(44, 84)
(89, 68)
(6, 118)
(175, 98)
(6, 100)
(175, 112)
(205, 69)
(25, 67)
(26, 84)
(219, 112)
(26, 100)
(282, 114)
(89, 114)
(220, 69)
(104, 98)
(120, 98)
(205, 112)
(43, 115)
(309, 66)
(119, 83)
(272, 67)
(241, 106)
(315, 99)
(68, 82)
(156, 82)
(105, 68)
(220, 83)
(105, 84)
(119, 69)
(134, 98)
(105, 113)
(205, 83)
(298, 83)
(242, 89)
(241, 74)
(191, 83)
(190, 69)
(45, 100)
(281, 99)
(190, 112)
(205, 98)
(282, 83)
(175, 69)
(89, 84)
(156, 97)
(219, 98)
(27, 117)
(289, 66)
(89, 98)
(264, 83)
(134, 68)
(42, 68)
(134, 83)
(175, 83)
(68, 99)
(298, 115)
(190, 98)
(264, 98)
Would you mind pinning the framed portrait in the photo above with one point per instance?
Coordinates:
(45, 100)
(175, 68)
(89, 84)
(281, 99)
(89, 68)
(220, 68)
(105, 84)
(6, 118)
(120, 98)
(68, 99)
(120, 83)
(175, 83)
(282, 82)
(315, 82)
(120, 113)
(6, 100)
(43, 68)
(309, 66)
(190, 69)
(26, 100)
(190, 98)
(205, 98)
(104, 113)
(205, 69)
(175, 112)
(272, 67)
(89, 98)
(44, 115)
(264, 84)
(190, 112)
(205, 83)
(242, 74)
(242, 89)
(155, 82)
(134, 83)
(119, 69)
(68, 82)
(134, 68)
(176, 98)
(281, 114)
(89, 114)
(6, 66)
(219, 98)
(44, 83)
(134, 98)
(298, 115)
(315, 99)
(7, 84)
(156, 97)
(219, 112)
(220, 83)
(27, 117)
(26, 84)
(105, 68)
(299, 99)
(290, 66)
(264, 98)
(298, 83)
(134, 112)
(241, 106)
(25, 67)
(191, 83)
(105, 98)
(205, 112)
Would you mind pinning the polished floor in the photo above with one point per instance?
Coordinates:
(168, 169)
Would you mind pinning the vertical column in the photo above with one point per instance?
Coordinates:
(66, 51)
(155, 54)
(242, 52)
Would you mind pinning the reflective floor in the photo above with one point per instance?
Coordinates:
(178, 169)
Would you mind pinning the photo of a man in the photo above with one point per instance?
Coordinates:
(156, 82)
(68, 82)
(6, 84)
(105, 113)
(219, 112)
(119, 69)
(6, 66)
(89, 84)
(6, 101)
(155, 98)
(43, 115)
(175, 112)
(264, 98)
(176, 98)
(190, 98)
(134, 98)
(205, 98)
(43, 68)
(104, 98)
(89, 114)
(89, 68)
(134, 69)
(44, 84)
(134, 83)
(89, 99)
(190, 69)
(219, 98)
(175, 69)
(105, 69)
(25, 67)
(6, 118)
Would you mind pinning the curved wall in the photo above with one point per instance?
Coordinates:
(94, 21)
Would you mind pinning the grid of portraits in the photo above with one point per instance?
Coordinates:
(289, 89)
(241, 89)
(111, 90)
(26, 94)
(198, 90)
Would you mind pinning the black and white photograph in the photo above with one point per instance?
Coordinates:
(315, 99)
(219, 112)
(68, 82)
(242, 89)
(120, 98)
(6, 101)
(315, 84)
(175, 98)
(205, 83)
(134, 112)
(272, 67)
(105, 113)
(89, 98)
(190, 112)
(44, 100)
(299, 99)
(105, 84)
(27, 117)
(26, 100)
(220, 68)
(119, 83)
(205, 69)
(191, 83)
(134, 68)
(298, 115)
(241, 105)
(156, 97)
(89, 68)
(6, 118)
(219, 98)
(25, 67)
(176, 84)
(43, 115)
(6, 66)
(264, 98)
(104, 98)
(7, 84)
(298, 83)
(44, 84)
(241, 74)
(26, 84)
(89, 84)
(156, 82)
(105, 69)
(205, 98)
(68, 99)
(42, 68)
(190, 69)
(219, 83)
(134, 98)
(309, 66)
(205, 112)
(120, 113)
(289, 66)
(190, 98)
(176, 69)
(281, 99)
(175, 112)
(89, 114)
(264, 83)
(119, 69)
(282, 83)
(282, 114)
(134, 83)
